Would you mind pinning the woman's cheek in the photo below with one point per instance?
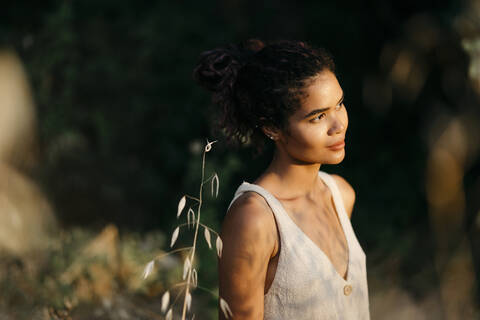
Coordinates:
(316, 136)
(346, 118)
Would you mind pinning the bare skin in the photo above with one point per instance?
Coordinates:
(249, 232)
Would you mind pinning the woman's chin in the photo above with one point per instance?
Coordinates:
(337, 158)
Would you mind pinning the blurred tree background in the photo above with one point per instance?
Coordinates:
(121, 126)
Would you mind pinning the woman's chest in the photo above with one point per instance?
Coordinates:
(320, 223)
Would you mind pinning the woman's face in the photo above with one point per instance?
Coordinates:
(319, 125)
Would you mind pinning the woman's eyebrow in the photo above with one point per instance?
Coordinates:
(313, 112)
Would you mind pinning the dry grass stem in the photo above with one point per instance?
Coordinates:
(193, 198)
(190, 274)
(203, 225)
(208, 147)
(172, 252)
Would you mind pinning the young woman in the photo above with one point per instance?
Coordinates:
(289, 248)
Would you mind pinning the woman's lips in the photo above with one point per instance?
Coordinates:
(337, 146)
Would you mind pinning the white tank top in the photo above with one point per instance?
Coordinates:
(306, 284)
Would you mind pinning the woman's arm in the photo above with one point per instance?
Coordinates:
(249, 239)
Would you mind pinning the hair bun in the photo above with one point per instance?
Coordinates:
(252, 45)
(217, 69)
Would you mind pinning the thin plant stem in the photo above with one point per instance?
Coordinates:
(178, 285)
(173, 251)
(193, 198)
(203, 225)
(209, 291)
(178, 295)
(187, 289)
(208, 179)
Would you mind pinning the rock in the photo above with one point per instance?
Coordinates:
(18, 126)
(27, 222)
(26, 218)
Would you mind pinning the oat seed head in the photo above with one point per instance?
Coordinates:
(169, 314)
(189, 301)
(225, 308)
(216, 183)
(148, 269)
(207, 237)
(191, 216)
(194, 277)
(219, 245)
(186, 266)
(181, 205)
(174, 236)
(165, 301)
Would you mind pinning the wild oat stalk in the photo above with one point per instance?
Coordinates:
(189, 272)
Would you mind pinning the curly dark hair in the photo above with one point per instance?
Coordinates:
(257, 85)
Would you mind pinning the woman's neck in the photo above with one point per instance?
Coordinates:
(289, 180)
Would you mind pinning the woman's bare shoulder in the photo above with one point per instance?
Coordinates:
(250, 213)
(250, 219)
(347, 192)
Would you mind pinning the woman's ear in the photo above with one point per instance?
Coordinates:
(271, 133)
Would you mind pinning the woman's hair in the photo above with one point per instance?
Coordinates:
(259, 84)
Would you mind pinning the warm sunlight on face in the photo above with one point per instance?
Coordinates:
(317, 129)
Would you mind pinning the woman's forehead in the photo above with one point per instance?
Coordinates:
(323, 91)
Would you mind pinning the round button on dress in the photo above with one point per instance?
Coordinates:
(347, 290)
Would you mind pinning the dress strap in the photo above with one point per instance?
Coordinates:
(339, 205)
(277, 208)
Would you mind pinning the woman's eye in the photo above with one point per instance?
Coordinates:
(320, 116)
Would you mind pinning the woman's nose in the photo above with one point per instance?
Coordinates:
(337, 126)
